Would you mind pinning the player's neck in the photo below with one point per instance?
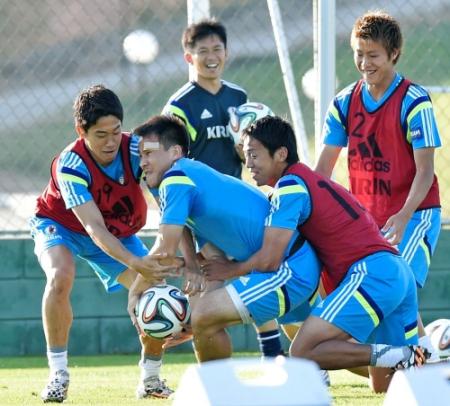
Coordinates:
(211, 85)
(377, 90)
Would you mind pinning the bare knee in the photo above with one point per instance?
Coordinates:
(202, 321)
(59, 281)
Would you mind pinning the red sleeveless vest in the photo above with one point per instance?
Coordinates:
(123, 206)
(380, 160)
(339, 228)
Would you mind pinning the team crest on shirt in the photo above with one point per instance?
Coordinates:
(122, 180)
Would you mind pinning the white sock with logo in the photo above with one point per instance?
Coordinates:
(57, 360)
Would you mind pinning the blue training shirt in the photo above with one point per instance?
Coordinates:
(220, 209)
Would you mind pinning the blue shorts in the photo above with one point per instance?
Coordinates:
(420, 240)
(48, 233)
(376, 301)
(263, 296)
(301, 312)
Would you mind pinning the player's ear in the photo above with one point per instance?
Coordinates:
(177, 152)
(281, 154)
(188, 58)
(80, 131)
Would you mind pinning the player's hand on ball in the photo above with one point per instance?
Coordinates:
(133, 298)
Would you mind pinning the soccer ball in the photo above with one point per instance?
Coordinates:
(439, 332)
(243, 116)
(161, 309)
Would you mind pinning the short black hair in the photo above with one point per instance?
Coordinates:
(274, 132)
(204, 28)
(169, 130)
(93, 103)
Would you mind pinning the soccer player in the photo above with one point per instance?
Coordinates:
(388, 124)
(373, 293)
(203, 103)
(92, 207)
(227, 217)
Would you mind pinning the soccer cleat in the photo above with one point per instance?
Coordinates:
(153, 387)
(417, 358)
(57, 387)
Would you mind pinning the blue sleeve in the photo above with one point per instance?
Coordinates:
(419, 120)
(290, 203)
(334, 132)
(176, 195)
(134, 156)
(73, 179)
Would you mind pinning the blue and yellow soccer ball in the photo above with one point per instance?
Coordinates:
(243, 116)
(161, 310)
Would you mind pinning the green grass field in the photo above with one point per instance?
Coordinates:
(111, 380)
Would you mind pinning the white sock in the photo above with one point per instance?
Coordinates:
(149, 368)
(388, 356)
(57, 360)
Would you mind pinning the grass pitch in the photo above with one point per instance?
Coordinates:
(112, 380)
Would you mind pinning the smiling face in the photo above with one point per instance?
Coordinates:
(265, 169)
(374, 64)
(208, 57)
(103, 139)
(156, 160)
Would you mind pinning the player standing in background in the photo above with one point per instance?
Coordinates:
(227, 218)
(388, 124)
(373, 297)
(92, 208)
(203, 104)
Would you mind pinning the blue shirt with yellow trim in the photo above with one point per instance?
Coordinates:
(290, 205)
(74, 178)
(220, 209)
(417, 115)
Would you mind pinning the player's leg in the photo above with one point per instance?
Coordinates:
(355, 309)
(150, 385)
(53, 250)
(256, 298)
(389, 332)
(269, 339)
(114, 276)
(417, 247)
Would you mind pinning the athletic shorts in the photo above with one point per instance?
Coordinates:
(300, 313)
(420, 240)
(263, 296)
(376, 301)
(47, 233)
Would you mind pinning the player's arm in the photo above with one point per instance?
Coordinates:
(327, 160)
(194, 281)
(152, 267)
(267, 259)
(423, 179)
(334, 137)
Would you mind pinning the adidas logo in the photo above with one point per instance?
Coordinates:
(244, 280)
(205, 114)
(371, 149)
